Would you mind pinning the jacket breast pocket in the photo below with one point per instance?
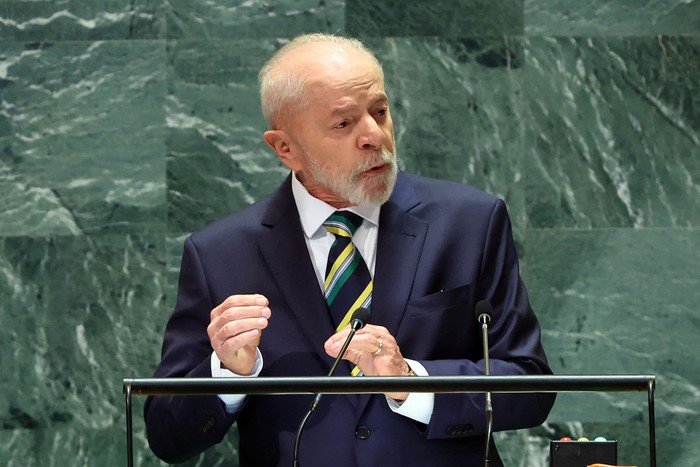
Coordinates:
(450, 299)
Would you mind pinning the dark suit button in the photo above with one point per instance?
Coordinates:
(362, 432)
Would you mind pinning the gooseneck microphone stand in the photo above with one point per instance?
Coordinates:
(483, 312)
(359, 318)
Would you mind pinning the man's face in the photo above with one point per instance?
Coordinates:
(343, 140)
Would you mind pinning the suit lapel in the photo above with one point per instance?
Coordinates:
(399, 246)
(286, 255)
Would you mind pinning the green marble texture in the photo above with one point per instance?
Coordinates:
(83, 146)
(443, 18)
(216, 161)
(124, 126)
(622, 301)
(188, 19)
(611, 132)
(79, 314)
(612, 18)
(61, 20)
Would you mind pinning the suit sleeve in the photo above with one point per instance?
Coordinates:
(515, 347)
(180, 427)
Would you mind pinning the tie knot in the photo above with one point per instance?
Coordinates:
(343, 223)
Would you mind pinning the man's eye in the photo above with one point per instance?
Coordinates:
(342, 125)
(381, 112)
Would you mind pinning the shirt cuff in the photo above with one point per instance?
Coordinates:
(418, 406)
(233, 402)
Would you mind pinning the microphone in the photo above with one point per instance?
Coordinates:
(483, 312)
(359, 318)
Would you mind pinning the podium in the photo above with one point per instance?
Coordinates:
(381, 384)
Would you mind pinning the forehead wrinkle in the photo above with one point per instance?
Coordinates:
(349, 104)
(339, 69)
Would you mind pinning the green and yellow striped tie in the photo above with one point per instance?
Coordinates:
(348, 284)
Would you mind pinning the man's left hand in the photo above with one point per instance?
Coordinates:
(374, 351)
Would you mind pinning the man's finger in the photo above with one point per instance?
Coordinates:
(233, 301)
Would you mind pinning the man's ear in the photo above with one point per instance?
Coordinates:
(281, 143)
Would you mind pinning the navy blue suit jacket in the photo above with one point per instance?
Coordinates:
(442, 247)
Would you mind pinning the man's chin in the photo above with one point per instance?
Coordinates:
(377, 189)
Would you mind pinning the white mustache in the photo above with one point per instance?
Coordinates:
(377, 158)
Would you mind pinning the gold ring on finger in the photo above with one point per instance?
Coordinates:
(379, 349)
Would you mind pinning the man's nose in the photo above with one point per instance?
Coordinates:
(371, 136)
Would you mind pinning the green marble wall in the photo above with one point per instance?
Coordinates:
(125, 125)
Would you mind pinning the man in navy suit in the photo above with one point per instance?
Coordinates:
(251, 302)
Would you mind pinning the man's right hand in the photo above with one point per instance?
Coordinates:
(235, 329)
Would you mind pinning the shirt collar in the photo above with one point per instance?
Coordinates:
(313, 212)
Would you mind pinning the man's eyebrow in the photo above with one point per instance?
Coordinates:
(381, 99)
(345, 108)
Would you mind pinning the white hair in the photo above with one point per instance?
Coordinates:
(282, 89)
